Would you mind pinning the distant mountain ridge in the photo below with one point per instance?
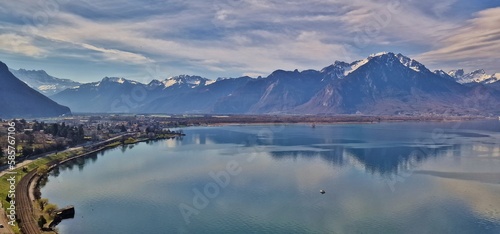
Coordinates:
(382, 84)
(477, 76)
(43, 82)
(17, 99)
(186, 80)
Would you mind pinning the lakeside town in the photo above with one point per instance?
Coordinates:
(43, 144)
(35, 137)
(29, 149)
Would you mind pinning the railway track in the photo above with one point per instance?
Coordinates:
(24, 208)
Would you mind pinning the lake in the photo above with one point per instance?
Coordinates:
(407, 177)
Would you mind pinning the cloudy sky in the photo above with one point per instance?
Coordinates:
(88, 39)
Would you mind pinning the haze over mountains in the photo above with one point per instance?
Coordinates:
(17, 99)
(43, 82)
(382, 84)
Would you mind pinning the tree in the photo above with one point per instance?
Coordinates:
(64, 130)
(60, 143)
(130, 140)
(36, 126)
(27, 151)
(94, 136)
(55, 129)
(42, 169)
(41, 221)
(42, 126)
(43, 202)
(49, 208)
(123, 128)
(31, 139)
(1, 151)
(81, 133)
(37, 193)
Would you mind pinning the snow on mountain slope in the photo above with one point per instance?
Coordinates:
(355, 65)
(342, 69)
(17, 99)
(383, 83)
(190, 81)
(43, 82)
(410, 63)
(478, 76)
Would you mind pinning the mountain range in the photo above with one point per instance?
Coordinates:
(477, 76)
(17, 99)
(382, 84)
(43, 82)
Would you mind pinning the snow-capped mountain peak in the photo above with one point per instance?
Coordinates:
(43, 82)
(342, 69)
(118, 80)
(478, 76)
(410, 63)
(379, 54)
(155, 83)
(456, 73)
(191, 81)
(355, 65)
(441, 73)
(114, 79)
(336, 70)
(222, 78)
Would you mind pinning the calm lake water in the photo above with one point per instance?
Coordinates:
(378, 178)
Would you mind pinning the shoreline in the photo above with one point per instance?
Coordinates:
(35, 179)
(29, 183)
(34, 182)
(340, 119)
(332, 122)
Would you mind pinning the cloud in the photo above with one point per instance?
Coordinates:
(482, 199)
(395, 21)
(118, 55)
(234, 37)
(260, 50)
(13, 43)
(478, 39)
(442, 7)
